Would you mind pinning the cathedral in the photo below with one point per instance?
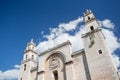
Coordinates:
(93, 62)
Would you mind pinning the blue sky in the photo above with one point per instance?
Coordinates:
(21, 20)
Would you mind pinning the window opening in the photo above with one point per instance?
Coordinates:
(24, 67)
(32, 56)
(92, 39)
(55, 73)
(100, 51)
(92, 28)
(88, 18)
(20, 78)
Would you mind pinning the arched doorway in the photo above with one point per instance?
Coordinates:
(55, 73)
(55, 68)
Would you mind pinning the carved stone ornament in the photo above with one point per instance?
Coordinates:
(54, 62)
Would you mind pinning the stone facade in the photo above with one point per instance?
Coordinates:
(60, 63)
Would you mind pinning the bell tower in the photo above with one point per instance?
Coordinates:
(90, 21)
(28, 62)
(97, 54)
(30, 53)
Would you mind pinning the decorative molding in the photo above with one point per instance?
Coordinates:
(29, 51)
(30, 59)
(54, 62)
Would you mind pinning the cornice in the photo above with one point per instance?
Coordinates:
(89, 33)
(78, 52)
(40, 72)
(58, 46)
(68, 63)
(29, 51)
(24, 61)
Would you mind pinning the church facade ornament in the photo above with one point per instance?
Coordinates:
(54, 62)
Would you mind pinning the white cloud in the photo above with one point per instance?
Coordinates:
(71, 25)
(107, 23)
(17, 66)
(44, 45)
(111, 39)
(61, 34)
(116, 60)
(113, 44)
(11, 74)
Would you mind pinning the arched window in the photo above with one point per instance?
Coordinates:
(88, 18)
(92, 28)
(92, 37)
(55, 73)
(32, 56)
(24, 67)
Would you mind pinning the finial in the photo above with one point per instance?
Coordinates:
(32, 41)
(29, 47)
(84, 14)
(90, 10)
(87, 10)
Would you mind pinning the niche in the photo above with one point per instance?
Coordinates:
(55, 73)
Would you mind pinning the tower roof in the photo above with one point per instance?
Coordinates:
(31, 42)
(30, 46)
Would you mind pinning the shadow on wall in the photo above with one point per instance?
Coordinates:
(87, 73)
